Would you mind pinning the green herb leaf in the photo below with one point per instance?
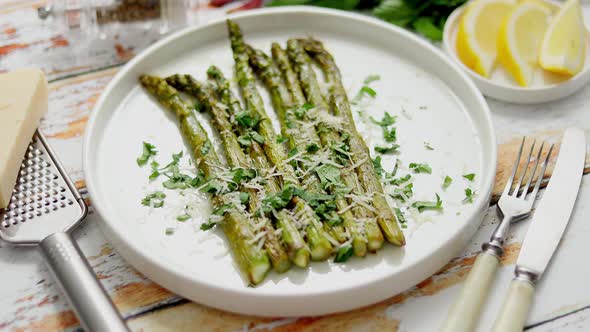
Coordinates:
(183, 217)
(447, 182)
(245, 140)
(169, 231)
(403, 192)
(426, 27)
(469, 195)
(469, 176)
(427, 146)
(221, 210)
(155, 199)
(343, 254)
(247, 121)
(257, 137)
(377, 165)
(312, 148)
(371, 78)
(282, 139)
(421, 168)
(244, 197)
(400, 216)
(148, 151)
(207, 225)
(390, 135)
(386, 121)
(387, 149)
(300, 111)
(402, 180)
(398, 12)
(425, 205)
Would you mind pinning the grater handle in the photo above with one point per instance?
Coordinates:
(91, 303)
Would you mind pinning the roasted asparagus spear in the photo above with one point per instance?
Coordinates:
(320, 246)
(298, 251)
(237, 227)
(358, 147)
(300, 139)
(329, 135)
(237, 158)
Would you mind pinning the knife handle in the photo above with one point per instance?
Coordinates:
(517, 304)
(465, 310)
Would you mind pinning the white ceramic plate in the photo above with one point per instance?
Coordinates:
(544, 87)
(442, 107)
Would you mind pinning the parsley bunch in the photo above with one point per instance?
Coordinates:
(427, 17)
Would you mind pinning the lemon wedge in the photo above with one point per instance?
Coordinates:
(563, 49)
(519, 40)
(478, 31)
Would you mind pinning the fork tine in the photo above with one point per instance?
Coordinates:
(514, 169)
(524, 170)
(544, 168)
(530, 180)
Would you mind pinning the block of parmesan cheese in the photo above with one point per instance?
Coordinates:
(23, 101)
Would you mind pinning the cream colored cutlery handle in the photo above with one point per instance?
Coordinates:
(515, 309)
(465, 311)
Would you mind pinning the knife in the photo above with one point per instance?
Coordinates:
(545, 231)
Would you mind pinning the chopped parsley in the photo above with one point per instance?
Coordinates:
(469, 176)
(390, 135)
(244, 197)
(426, 205)
(183, 217)
(311, 148)
(427, 146)
(247, 121)
(155, 199)
(387, 149)
(400, 216)
(300, 111)
(447, 182)
(377, 165)
(365, 89)
(149, 150)
(403, 192)
(169, 231)
(371, 78)
(207, 225)
(246, 139)
(421, 168)
(401, 180)
(282, 139)
(469, 195)
(343, 254)
(386, 121)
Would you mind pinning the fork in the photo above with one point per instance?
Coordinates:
(514, 205)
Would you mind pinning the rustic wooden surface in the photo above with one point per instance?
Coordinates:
(31, 301)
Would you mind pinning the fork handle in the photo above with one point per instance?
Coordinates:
(89, 299)
(467, 306)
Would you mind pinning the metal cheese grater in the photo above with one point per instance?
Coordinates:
(44, 208)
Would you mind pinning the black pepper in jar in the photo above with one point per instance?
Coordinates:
(129, 11)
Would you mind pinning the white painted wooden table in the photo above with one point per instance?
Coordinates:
(31, 301)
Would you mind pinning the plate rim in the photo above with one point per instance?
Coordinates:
(130, 250)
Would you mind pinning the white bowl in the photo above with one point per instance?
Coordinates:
(545, 87)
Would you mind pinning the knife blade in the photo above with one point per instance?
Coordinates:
(545, 232)
(556, 205)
